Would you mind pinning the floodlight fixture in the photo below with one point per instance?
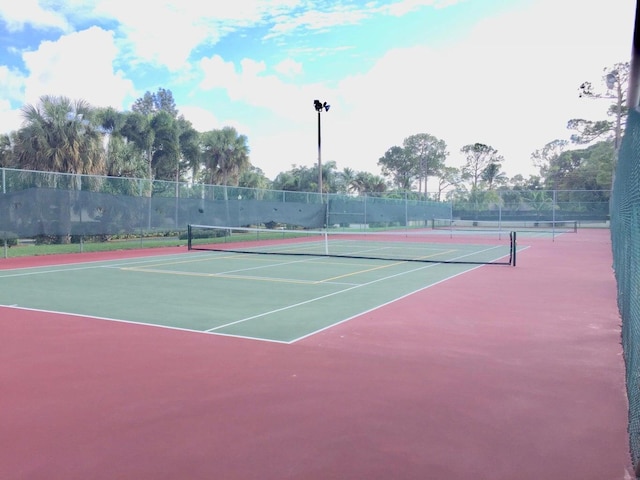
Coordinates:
(319, 106)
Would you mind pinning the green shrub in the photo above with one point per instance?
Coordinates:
(10, 238)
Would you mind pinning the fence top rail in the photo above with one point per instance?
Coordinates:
(395, 195)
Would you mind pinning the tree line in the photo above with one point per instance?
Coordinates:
(151, 141)
(154, 141)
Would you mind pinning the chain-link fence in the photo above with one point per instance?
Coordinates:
(45, 204)
(49, 206)
(625, 237)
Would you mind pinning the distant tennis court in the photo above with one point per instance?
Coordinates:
(281, 297)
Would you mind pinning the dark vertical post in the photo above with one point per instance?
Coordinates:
(514, 248)
(319, 158)
(319, 106)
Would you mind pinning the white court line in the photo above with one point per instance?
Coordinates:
(212, 330)
(394, 300)
(322, 297)
(233, 273)
(382, 305)
(131, 322)
(236, 276)
(228, 272)
(75, 266)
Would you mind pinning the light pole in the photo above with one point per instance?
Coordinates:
(319, 106)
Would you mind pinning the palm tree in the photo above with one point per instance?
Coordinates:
(377, 184)
(254, 178)
(122, 157)
(346, 179)
(328, 176)
(166, 155)
(226, 155)
(6, 149)
(366, 182)
(190, 148)
(60, 135)
(137, 129)
(492, 175)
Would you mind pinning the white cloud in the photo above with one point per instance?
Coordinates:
(78, 65)
(407, 6)
(168, 34)
(11, 83)
(511, 84)
(251, 68)
(10, 119)
(17, 14)
(288, 67)
(217, 73)
(252, 86)
(312, 19)
(69, 66)
(504, 85)
(325, 16)
(201, 119)
(164, 35)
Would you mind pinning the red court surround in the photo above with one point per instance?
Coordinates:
(500, 374)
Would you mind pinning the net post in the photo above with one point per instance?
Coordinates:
(513, 249)
(189, 237)
(326, 243)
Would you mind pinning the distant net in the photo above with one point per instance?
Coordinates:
(400, 245)
(625, 239)
(541, 226)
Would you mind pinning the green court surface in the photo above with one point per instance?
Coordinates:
(268, 297)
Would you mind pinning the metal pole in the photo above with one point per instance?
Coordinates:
(177, 202)
(406, 211)
(319, 106)
(365, 211)
(451, 219)
(500, 218)
(319, 160)
(553, 217)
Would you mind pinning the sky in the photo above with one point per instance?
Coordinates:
(500, 72)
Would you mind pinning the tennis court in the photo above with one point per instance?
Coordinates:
(283, 297)
(372, 369)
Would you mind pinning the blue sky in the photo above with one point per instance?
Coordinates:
(500, 72)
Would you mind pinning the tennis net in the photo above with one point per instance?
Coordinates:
(397, 245)
(543, 226)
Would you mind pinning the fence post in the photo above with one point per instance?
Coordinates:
(4, 190)
(365, 210)
(553, 216)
